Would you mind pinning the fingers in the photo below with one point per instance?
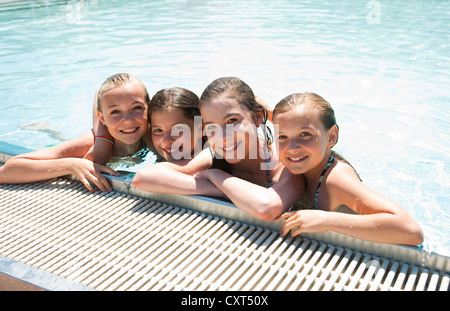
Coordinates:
(86, 183)
(202, 175)
(103, 181)
(296, 231)
(90, 174)
(109, 171)
(286, 228)
(293, 224)
(100, 181)
(284, 216)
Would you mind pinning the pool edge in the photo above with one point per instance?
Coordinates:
(17, 276)
(25, 277)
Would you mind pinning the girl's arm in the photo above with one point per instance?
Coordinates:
(260, 202)
(177, 177)
(379, 219)
(60, 160)
(101, 150)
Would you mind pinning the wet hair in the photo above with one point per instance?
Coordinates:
(315, 101)
(176, 97)
(233, 87)
(308, 99)
(120, 80)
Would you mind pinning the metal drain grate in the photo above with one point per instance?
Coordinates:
(116, 241)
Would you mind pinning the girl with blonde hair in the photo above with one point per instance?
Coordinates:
(122, 102)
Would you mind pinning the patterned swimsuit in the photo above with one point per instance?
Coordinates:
(316, 197)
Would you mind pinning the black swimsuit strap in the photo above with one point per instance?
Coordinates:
(316, 197)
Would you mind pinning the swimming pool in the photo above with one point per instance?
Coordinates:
(384, 66)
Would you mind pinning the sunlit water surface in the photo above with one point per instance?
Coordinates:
(383, 65)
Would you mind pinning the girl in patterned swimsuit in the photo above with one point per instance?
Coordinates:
(307, 131)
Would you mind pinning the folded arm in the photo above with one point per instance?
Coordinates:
(260, 202)
(177, 177)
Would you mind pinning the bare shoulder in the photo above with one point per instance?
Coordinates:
(347, 189)
(341, 173)
(344, 186)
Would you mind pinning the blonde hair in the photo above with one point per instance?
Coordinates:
(119, 80)
(310, 99)
(315, 101)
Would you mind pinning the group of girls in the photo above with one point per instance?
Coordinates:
(293, 176)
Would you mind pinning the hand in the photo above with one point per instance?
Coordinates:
(303, 221)
(87, 171)
(208, 174)
(202, 175)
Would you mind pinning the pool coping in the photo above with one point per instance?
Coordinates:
(17, 276)
(25, 277)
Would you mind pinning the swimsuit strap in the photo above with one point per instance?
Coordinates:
(267, 160)
(330, 161)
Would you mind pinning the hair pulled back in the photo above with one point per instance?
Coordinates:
(308, 99)
(315, 101)
(235, 88)
(176, 97)
(120, 80)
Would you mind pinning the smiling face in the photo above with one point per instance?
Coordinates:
(303, 141)
(230, 127)
(124, 113)
(172, 133)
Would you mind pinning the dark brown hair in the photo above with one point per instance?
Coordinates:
(235, 88)
(176, 97)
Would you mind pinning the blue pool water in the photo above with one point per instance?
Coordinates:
(383, 65)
